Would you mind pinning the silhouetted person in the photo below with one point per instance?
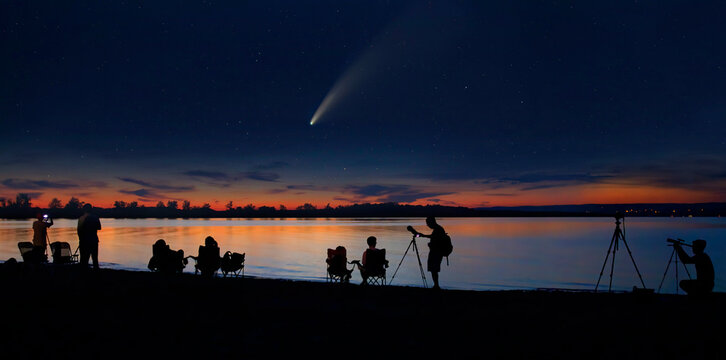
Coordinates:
(704, 269)
(208, 259)
(367, 269)
(88, 225)
(40, 234)
(166, 260)
(436, 254)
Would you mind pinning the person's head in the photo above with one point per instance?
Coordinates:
(698, 246)
(209, 241)
(371, 241)
(87, 208)
(431, 221)
(39, 216)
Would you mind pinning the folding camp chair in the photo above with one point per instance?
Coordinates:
(337, 269)
(61, 252)
(208, 260)
(166, 260)
(374, 272)
(30, 254)
(233, 263)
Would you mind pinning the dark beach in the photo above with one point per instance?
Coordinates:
(59, 312)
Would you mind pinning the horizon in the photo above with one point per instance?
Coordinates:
(27, 202)
(456, 104)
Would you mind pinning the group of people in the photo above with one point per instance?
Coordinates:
(437, 251)
(87, 230)
(89, 224)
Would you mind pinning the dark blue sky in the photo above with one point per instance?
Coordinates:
(451, 102)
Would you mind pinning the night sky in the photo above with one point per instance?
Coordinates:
(471, 103)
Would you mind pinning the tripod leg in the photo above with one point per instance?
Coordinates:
(401, 262)
(666, 270)
(612, 265)
(604, 263)
(633, 260)
(677, 284)
(423, 274)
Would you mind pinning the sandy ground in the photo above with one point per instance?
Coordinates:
(60, 312)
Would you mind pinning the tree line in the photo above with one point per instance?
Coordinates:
(22, 207)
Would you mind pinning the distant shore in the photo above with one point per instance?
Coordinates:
(62, 312)
(382, 210)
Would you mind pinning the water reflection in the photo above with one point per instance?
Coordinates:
(489, 253)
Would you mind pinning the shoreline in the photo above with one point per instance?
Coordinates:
(67, 313)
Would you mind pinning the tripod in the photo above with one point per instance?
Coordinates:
(618, 235)
(415, 247)
(673, 254)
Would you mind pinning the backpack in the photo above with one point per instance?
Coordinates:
(446, 246)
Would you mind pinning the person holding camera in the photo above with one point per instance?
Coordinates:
(436, 249)
(704, 268)
(40, 234)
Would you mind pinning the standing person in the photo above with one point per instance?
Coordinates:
(704, 268)
(437, 249)
(40, 234)
(88, 225)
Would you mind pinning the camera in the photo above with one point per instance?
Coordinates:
(679, 242)
(46, 218)
(619, 216)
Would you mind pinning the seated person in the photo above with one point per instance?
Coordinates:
(208, 259)
(164, 259)
(373, 262)
(337, 268)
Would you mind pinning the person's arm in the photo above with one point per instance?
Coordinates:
(683, 255)
(98, 223)
(49, 223)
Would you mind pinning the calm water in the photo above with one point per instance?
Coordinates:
(489, 253)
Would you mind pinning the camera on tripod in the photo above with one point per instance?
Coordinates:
(413, 231)
(679, 242)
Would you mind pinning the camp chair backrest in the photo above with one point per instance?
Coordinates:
(337, 258)
(61, 248)
(375, 260)
(208, 257)
(25, 247)
(29, 254)
(61, 252)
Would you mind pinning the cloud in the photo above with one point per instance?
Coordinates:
(261, 176)
(223, 179)
(538, 181)
(345, 199)
(145, 194)
(309, 187)
(276, 191)
(37, 184)
(391, 193)
(213, 175)
(157, 186)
